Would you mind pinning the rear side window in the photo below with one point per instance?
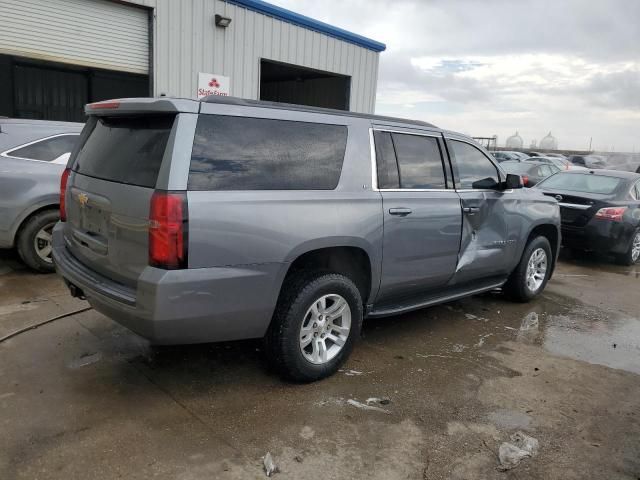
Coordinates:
(419, 161)
(386, 161)
(471, 165)
(125, 149)
(408, 161)
(239, 153)
(582, 182)
(48, 149)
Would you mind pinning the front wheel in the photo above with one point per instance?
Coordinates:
(314, 327)
(530, 276)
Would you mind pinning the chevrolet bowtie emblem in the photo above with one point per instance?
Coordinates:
(83, 198)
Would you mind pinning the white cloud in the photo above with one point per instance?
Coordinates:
(497, 66)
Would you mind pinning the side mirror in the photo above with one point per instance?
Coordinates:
(513, 181)
(63, 159)
(486, 184)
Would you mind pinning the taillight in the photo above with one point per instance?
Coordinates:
(104, 105)
(525, 180)
(63, 190)
(168, 230)
(614, 214)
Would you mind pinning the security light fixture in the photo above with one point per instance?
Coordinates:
(222, 21)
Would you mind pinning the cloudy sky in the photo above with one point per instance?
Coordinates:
(487, 67)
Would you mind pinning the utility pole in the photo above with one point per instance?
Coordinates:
(590, 139)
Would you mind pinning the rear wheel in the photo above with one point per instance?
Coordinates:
(632, 255)
(317, 320)
(530, 277)
(34, 240)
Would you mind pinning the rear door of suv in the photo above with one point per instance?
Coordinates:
(422, 215)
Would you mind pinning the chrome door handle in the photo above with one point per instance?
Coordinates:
(470, 210)
(400, 211)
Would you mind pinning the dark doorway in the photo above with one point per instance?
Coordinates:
(51, 91)
(282, 82)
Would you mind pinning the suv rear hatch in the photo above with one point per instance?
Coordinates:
(113, 177)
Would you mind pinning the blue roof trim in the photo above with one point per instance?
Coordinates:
(301, 20)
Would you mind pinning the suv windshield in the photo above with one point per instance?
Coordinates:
(582, 182)
(124, 149)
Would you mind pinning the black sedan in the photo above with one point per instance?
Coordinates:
(531, 172)
(600, 211)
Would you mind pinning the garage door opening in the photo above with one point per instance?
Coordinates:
(52, 91)
(281, 82)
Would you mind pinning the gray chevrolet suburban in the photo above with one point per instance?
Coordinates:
(223, 219)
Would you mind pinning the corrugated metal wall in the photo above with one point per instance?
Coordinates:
(186, 41)
(95, 33)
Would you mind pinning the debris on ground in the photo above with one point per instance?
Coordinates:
(364, 406)
(458, 347)
(298, 458)
(529, 322)
(270, 468)
(381, 401)
(529, 327)
(482, 339)
(511, 454)
(85, 359)
(351, 373)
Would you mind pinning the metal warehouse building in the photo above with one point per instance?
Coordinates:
(57, 55)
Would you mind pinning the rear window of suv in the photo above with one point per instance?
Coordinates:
(582, 182)
(124, 149)
(241, 153)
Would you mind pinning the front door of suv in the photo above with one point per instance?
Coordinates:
(422, 215)
(485, 248)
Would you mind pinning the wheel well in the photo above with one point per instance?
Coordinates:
(352, 262)
(551, 233)
(35, 212)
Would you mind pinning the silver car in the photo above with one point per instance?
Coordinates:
(227, 219)
(33, 154)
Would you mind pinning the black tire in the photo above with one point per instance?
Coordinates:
(516, 287)
(627, 257)
(282, 342)
(27, 238)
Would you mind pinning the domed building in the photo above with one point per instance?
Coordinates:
(514, 141)
(549, 142)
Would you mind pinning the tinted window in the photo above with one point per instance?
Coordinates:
(419, 161)
(238, 153)
(581, 182)
(46, 150)
(471, 165)
(519, 168)
(126, 149)
(386, 161)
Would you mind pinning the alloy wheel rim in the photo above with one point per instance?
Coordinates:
(42, 242)
(635, 248)
(325, 329)
(536, 269)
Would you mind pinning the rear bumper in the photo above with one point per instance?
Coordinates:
(602, 236)
(181, 306)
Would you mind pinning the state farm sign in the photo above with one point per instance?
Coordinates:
(212, 84)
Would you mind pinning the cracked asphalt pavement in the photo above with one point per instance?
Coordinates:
(85, 398)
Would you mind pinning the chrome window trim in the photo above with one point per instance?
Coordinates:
(7, 153)
(374, 163)
(575, 206)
